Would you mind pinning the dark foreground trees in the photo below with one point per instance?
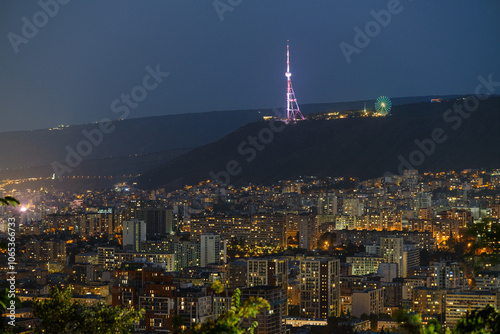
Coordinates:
(59, 314)
(231, 322)
(484, 321)
(9, 200)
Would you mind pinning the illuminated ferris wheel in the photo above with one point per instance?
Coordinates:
(383, 105)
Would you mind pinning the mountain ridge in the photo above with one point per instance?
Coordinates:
(358, 147)
(157, 139)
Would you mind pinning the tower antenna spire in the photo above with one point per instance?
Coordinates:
(292, 108)
(287, 58)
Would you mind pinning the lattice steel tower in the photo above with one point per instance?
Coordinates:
(292, 108)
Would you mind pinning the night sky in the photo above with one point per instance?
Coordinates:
(90, 52)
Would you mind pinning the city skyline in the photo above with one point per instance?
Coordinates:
(159, 172)
(316, 249)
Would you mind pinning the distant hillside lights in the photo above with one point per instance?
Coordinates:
(121, 106)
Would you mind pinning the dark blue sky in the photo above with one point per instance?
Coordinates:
(92, 51)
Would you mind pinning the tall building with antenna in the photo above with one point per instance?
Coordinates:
(292, 108)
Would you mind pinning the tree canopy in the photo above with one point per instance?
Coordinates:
(231, 321)
(482, 321)
(59, 314)
(9, 200)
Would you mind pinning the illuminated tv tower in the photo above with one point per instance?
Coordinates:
(292, 108)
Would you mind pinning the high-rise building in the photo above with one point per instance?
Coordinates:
(270, 272)
(459, 219)
(459, 303)
(411, 257)
(373, 249)
(272, 321)
(187, 254)
(353, 207)
(410, 283)
(53, 251)
(447, 275)
(212, 249)
(222, 304)
(308, 232)
(327, 204)
(410, 178)
(393, 294)
(164, 260)
(83, 272)
(146, 286)
(425, 214)
(369, 301)
(364, 264)
(158, 218)
(134, 232)
(387, 271)
(293, 295)
(195, 305)
(45, 251)
(292, 229)
(159, 221)
(390, 220)
(423, 200)
(106, 256)
(119, 215)
(237, 274)
(391, 249)
(255, 230)
(429, 301)
(495, 211)
(269, 228)
(488, 281)
(89, 257)
(97, 223)
(320, 287)
(345, 222)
